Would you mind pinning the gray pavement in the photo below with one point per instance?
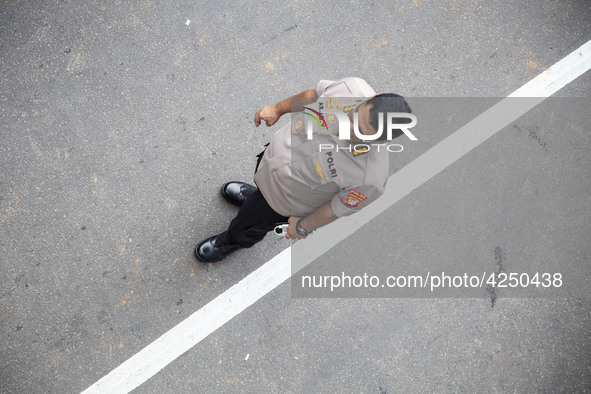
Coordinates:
(119, 121)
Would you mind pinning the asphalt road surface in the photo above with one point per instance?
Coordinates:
(120, 120)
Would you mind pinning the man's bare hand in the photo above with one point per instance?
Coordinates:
(291, 229)
(269, 114)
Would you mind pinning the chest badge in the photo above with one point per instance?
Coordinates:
(359, 151)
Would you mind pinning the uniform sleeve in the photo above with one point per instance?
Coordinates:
(349, 201)
(358, 87)
(322, 86)
(346, 87)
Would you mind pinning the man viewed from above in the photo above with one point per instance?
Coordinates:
(307, 176)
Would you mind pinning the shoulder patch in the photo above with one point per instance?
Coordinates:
(354, 198)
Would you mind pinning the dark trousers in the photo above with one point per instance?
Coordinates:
(254, 220)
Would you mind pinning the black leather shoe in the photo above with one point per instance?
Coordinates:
(212, 249)
(237, 192)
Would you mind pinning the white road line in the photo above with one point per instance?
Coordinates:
(148, 361)
(157, 355)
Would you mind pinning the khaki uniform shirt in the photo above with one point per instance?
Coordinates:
(296, 177)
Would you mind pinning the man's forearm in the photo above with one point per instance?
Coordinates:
(321, 217)
(304, 98)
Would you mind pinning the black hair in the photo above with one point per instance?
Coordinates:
(384, 103)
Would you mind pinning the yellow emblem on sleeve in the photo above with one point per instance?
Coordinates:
(318, 168)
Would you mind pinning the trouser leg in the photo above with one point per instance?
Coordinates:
(254, 220)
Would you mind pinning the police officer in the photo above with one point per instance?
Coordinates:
(307, 176)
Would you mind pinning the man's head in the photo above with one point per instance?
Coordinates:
(369, 113)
